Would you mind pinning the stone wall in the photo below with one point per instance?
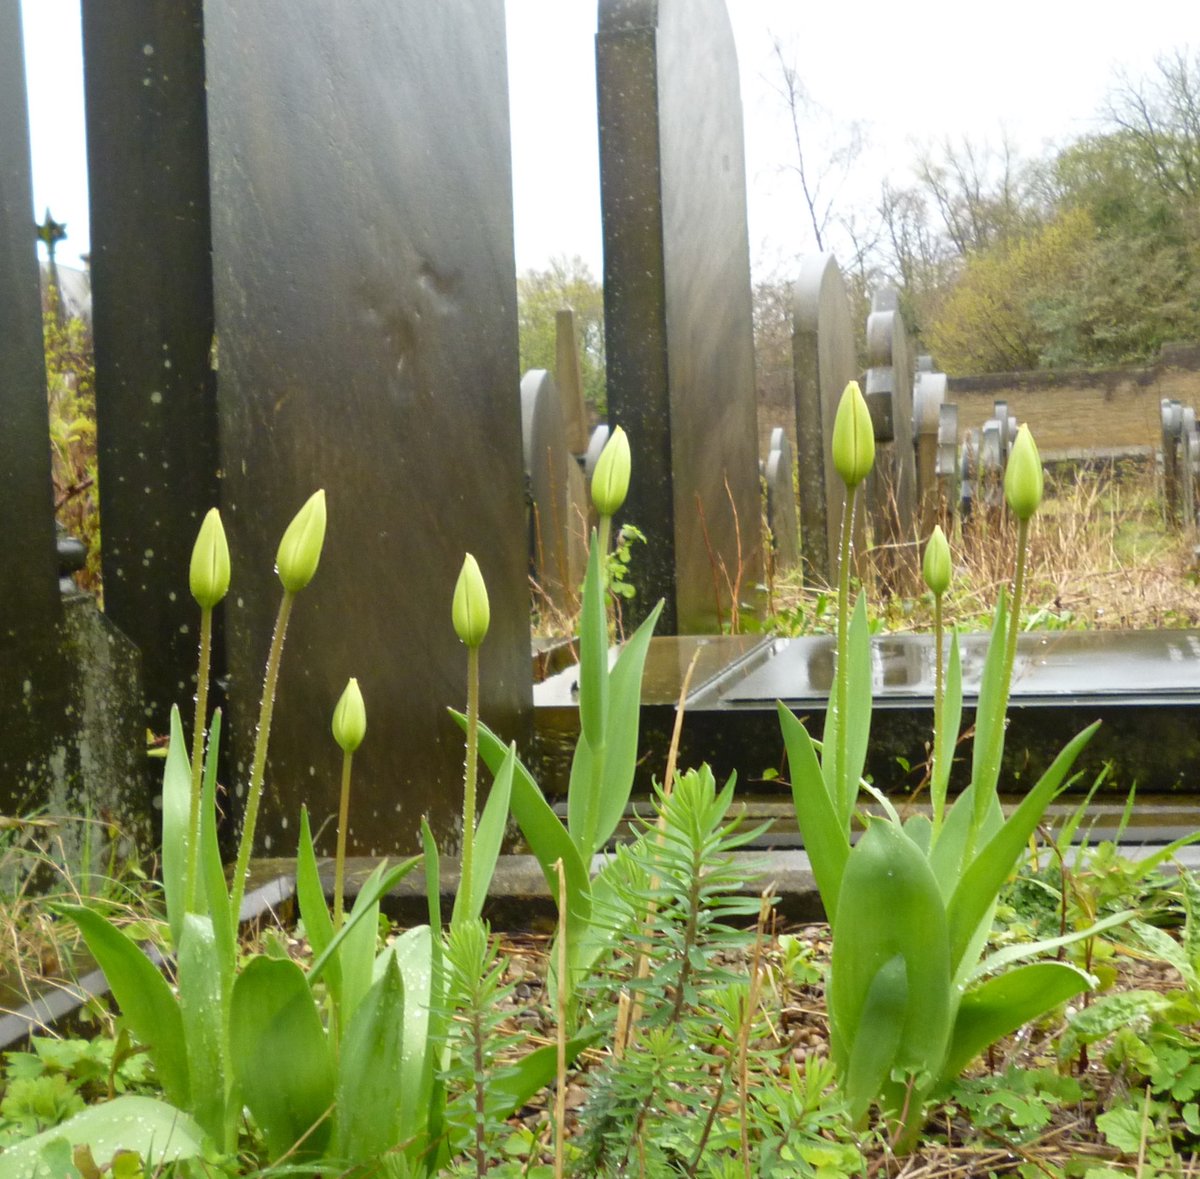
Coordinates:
(1076, 409)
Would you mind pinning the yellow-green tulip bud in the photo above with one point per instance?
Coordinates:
(208, 577)
(471, 612)
(853, 437)
(350, 718)
(936, 566)
(300, 549)
(1023, 478)
(610, 479)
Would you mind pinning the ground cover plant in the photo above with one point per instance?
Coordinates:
(669, 1026)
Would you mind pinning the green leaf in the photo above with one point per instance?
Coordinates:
(858, 696)
(871, 1052)
(314, 911)
(216, 890)
(1001, 1005)
(990, 712)
(379, 882)
(593, 653)
(157, 1131)
(826, 837)
(489, 835)
(947, 739)
(982, 878)
(145, 999)
(202, 1008)
(356, 955)
(176, 808)
(371, 1072)
(1021, 950)
(624, 712)
(280, 1056)
(548, 839)
(1164, 946)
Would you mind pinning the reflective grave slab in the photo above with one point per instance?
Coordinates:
(1144, 686)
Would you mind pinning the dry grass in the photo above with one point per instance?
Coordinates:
(1101, 556)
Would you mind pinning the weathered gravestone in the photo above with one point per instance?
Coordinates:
(823, 361)
(72, 738)
(1172, 422)
(947, 470)
(366, 316)
(153, 324)
(891, 486)
(679, 336)
(568, 375)
(929, 398)
(557, 510)
(781, 501)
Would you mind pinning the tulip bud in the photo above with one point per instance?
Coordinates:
(610, 479)
(1023, 478)
(208, 577)
(350, 718)
(936, 566)
(853, 437)
(470, 611)
(300, 549)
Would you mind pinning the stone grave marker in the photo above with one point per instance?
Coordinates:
(947, 458)
(781, 501)
(568, 376)
(1187, 466)
(891, 487)
(366, 315)
(929, 398)
(151, 273)
(73, 738)
(557, 509)
(1172, 425)
(678, 327)
(823, 361)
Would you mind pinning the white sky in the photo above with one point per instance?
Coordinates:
(914, 73)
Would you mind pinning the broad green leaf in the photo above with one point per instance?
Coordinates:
(990, 712)
(583, 796)
(548, 839)
(1164, 946)
(145, 999)
(314, 911)
(983, 876)
(157, 1131)
(376, 885)
(1005, 1003)
(871, 1050)
(946, 855)
(489, 835)
(202, 1008)
(280, 1056)
(371, 1072)
(439, 1015)
(176, 814)
(1022, 950)
(890, 906)
(624, 712)
(216, 890)
(356, 957)
(593, 652)
(858, 720)
(826, 838)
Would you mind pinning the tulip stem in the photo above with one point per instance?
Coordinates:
(937, 796)
(1014, 618)
(846, 791)
(198, 731)
(339, 863)
(472, 773)
(258, 766)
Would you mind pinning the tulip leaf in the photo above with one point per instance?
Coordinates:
(202, 1008)
(990, 712)
(314, 911)
(489, 835)
(176, 816)
(216, 890)
(144, 996)
(947, 737)
(858, 696)
(825, 836)
(1004, 1003)
(593, 653)
(280, 1056)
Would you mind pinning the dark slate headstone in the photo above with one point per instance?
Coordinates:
(72, 738)
(677, 309)
(823, 362)
(366, 311)
(153, 323)
(29, 600)
(557, 509)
